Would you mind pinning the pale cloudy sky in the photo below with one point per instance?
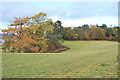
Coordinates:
(69, 13)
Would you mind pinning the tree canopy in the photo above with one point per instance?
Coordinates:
(32, 34)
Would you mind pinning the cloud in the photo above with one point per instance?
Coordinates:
(78, 10)
(65, 10)
(3, 27)
(90, 21)
(1, 31)
(70, 13)
(55, 18)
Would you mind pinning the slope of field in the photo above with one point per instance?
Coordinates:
(84, 59)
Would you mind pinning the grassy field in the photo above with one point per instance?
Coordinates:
(84, 59)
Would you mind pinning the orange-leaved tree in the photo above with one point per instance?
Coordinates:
(28, 34)
(86, 36)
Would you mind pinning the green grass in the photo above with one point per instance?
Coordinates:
(84, 59)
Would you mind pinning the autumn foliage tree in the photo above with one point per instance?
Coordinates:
(76, 36)
(16, 37)
(28, 34)
(86, 36)
(42, 28)
(97, 33)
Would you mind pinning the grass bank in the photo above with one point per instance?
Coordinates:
(84, 59)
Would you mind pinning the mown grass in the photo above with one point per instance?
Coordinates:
(84, 59)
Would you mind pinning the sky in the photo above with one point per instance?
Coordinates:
(69, 13)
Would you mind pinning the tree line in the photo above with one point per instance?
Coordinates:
(92, 32)
(40, 34)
